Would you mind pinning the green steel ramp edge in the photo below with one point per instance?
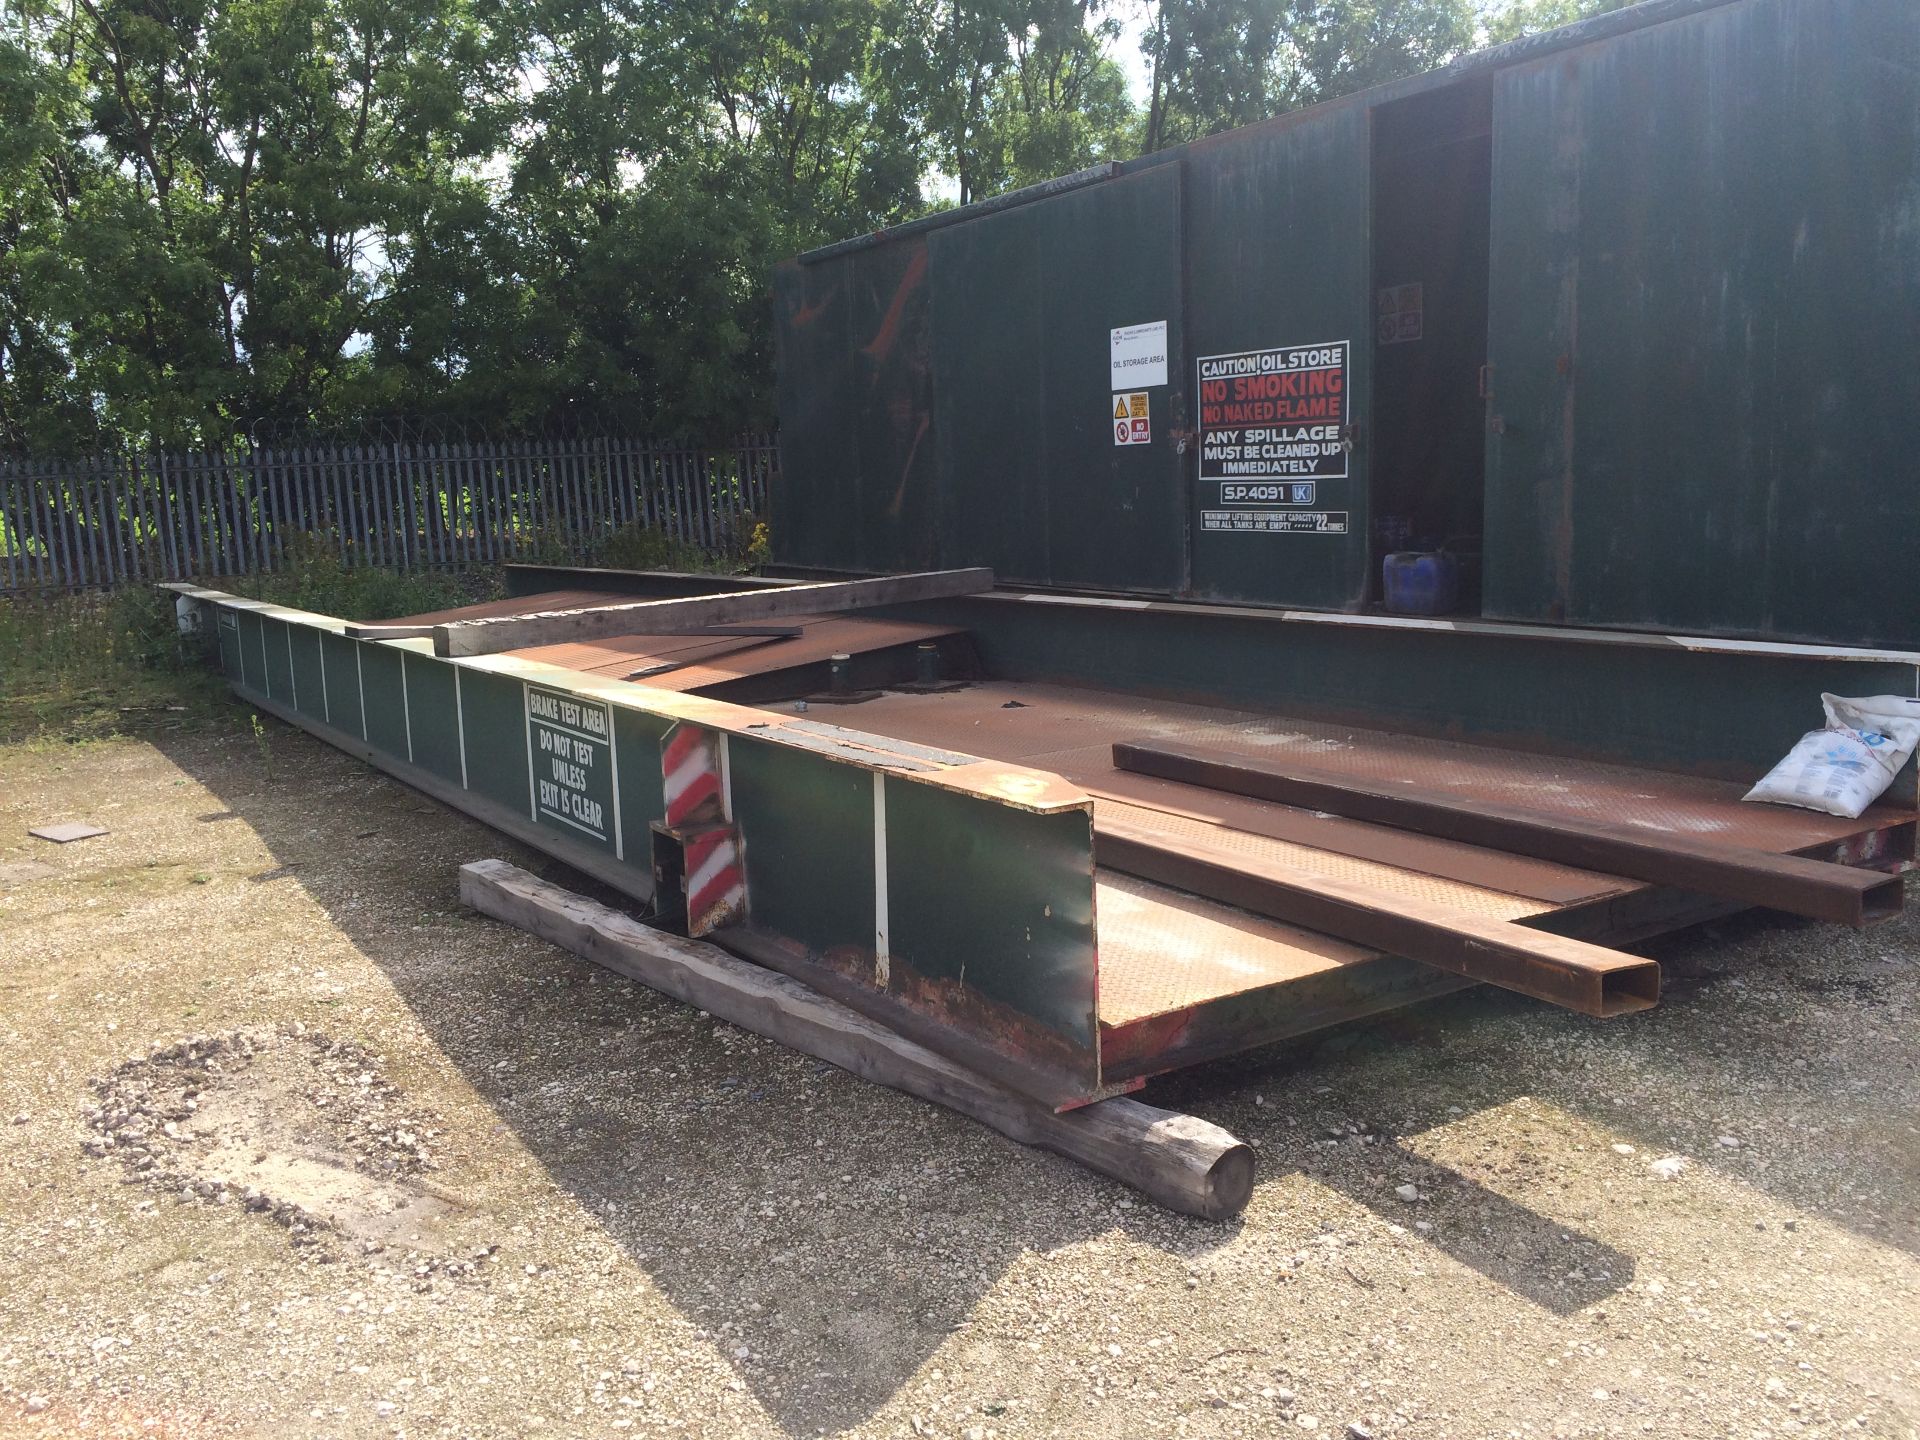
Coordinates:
(947, 896)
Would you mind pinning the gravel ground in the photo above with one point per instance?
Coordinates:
(560, 1205)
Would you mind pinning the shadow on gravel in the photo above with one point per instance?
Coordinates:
(831, 1234)
(835, 1232)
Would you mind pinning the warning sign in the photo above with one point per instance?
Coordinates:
(1403, 314)
(1131, 423)
(569, 749)
(1273, 426)
(1274, 414)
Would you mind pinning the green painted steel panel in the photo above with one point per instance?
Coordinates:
(433, 709)
(496, 735)
(253, 651)
(309, 675)
(276, 645)
(642, 789)
(341, 659)
(383, 693)
(1277, 256)
(855, 390)
(1024, 303)
(1706, 326)
(227, 634)
(997, 898)
(806, 827)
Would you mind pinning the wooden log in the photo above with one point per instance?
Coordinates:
(1181, 1161)
(495, 633)
(388, 632)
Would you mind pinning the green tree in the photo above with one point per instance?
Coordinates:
(1515, 18)
(1219, 64)
(222, 214)
(216, 187)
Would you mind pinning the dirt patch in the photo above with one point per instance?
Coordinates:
(290, 1123)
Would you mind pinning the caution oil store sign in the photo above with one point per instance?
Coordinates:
(1273, 425)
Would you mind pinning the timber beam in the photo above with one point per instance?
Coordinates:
(494, 634)
(1797, 884)
(1185, 1163)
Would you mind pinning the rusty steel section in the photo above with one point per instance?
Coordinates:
(1662, 855)
(1389, 879)
(1070, 731)
(703, 662)
(1572, 973)
(1163, 952)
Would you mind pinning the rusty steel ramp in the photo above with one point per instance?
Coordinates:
(961, 857)
(1188, 976)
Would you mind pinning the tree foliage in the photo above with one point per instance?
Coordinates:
(218, 215)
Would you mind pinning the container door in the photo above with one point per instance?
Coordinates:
(1280, 321)
(1705, 273)
(1056, 329)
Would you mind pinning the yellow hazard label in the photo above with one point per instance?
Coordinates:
(1119, 407)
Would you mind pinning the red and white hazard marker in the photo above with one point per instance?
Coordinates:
(716, 884)
(690, 769)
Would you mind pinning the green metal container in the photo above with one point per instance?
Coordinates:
(1632, 310)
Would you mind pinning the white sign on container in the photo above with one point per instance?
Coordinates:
(1139, 356)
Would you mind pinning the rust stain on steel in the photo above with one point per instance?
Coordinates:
(1238, 1023)
(1586, 790)
(804, 315)
(1574, 973)
(961, 1024)
(1665, 855)
(1475, 878)
(888, 335)
(1163, 952)
(903, 410)
(1070, 731)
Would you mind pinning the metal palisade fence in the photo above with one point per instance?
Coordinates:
(112, 519)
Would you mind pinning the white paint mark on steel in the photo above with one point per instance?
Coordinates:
(526, 714)
(460, 727)
(326, 695)
(406, 707)
(266, 670)
(726, 781)
(613, 767)
(882, 950)
(360, 683)
(293, 676)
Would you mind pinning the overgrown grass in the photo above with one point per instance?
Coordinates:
(81, 667)
(88, 666)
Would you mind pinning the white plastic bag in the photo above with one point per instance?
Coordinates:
(1844, 768)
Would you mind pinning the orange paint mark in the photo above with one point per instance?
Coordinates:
(888, 334)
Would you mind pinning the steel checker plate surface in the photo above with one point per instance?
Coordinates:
(1162, 951)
